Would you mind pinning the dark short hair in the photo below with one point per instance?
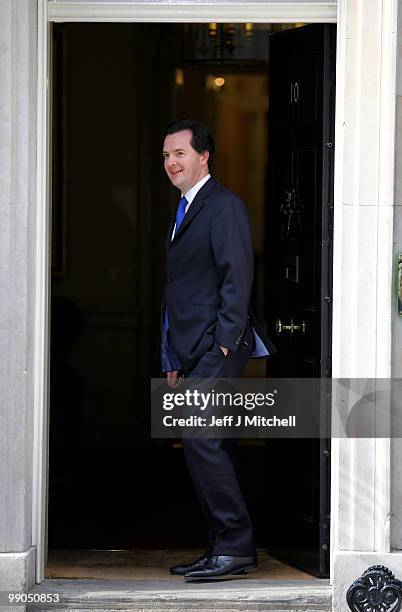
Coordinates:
(201, 140)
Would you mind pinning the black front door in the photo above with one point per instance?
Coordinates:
(299, 284)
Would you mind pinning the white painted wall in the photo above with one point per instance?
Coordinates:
(208, 2)
(195, 11)
(18, 61)
(366, 525)
(363, 470)
(396, 490)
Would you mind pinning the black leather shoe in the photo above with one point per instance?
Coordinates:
(180, 570)
(221, 566)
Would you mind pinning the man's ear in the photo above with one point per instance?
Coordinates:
(204, 157)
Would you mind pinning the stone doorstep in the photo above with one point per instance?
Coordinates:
(230, 595)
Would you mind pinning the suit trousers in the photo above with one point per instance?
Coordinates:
(214, 464)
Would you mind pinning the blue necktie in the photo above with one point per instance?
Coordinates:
(181, 211)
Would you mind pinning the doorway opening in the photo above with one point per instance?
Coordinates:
(115, 89)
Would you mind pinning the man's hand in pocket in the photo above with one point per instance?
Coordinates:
(174, 379)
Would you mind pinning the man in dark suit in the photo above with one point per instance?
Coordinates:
(209, 331)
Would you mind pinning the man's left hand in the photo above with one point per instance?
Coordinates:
(224, 350)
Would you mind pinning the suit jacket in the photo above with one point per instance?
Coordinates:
(209, 267)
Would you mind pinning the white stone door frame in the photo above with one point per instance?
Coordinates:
(364, 200)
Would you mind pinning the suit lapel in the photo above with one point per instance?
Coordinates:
(195, 207)
(169, 234)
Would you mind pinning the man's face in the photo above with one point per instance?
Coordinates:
(183, 165)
